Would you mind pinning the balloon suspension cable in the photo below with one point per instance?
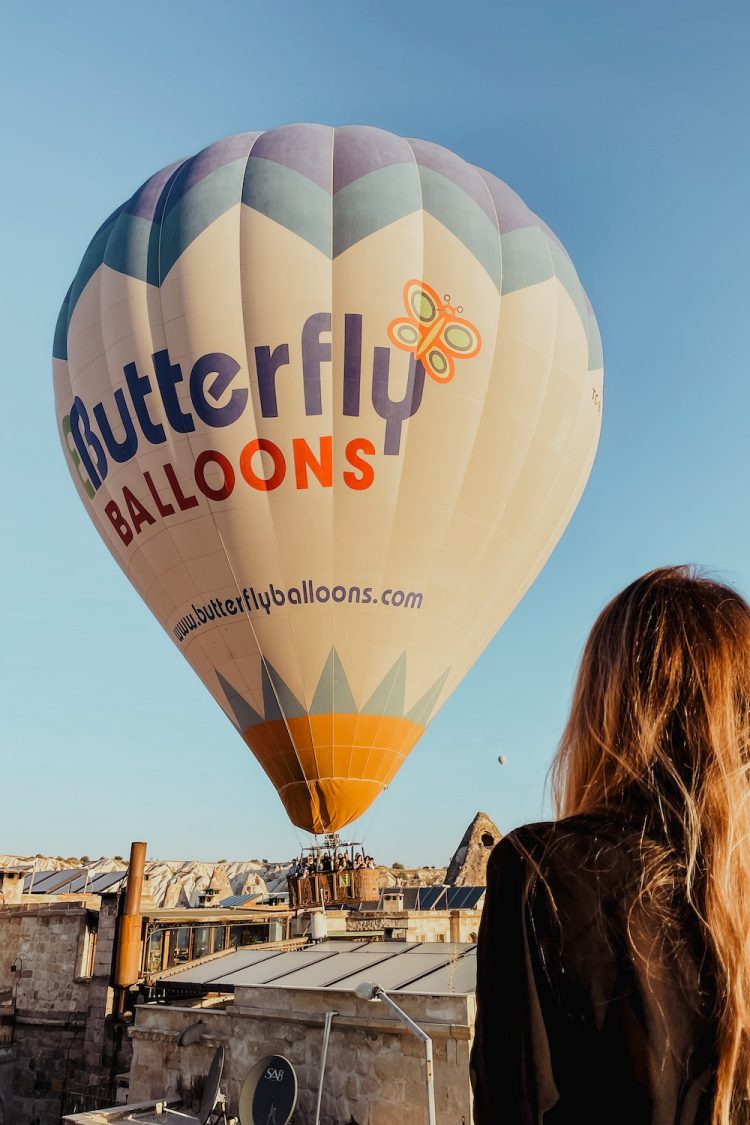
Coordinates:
(372, 814)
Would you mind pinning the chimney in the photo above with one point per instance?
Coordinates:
(128, 957)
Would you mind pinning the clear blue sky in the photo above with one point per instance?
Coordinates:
(623, 125)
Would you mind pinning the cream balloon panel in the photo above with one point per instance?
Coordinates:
(519, 579)
(95, 371)
(440, 499)
(133, 331)
(401, 521)
(526, 556)
(166, 563)
(246, 522)
(285, 281)
(273, 640)
(522, 370)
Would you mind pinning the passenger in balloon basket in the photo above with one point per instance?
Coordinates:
(613, 980)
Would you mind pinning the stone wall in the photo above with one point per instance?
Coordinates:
(375, 1072)
(63, 1036)
(45, 943)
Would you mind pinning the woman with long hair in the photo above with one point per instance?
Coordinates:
(614, 952)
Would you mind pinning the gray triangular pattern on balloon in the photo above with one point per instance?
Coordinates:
(333, 692)
(423, 708)
(388, 697)
(245, 715)
(279, 702)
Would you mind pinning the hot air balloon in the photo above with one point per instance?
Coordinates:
(330, 398)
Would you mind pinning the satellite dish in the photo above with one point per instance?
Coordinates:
(269, 1093)
(211, 1086)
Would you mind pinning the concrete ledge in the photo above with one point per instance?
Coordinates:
(159, 1035)
(64, 907)
(384, 1024)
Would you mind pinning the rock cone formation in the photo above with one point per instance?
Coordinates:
(468, 868)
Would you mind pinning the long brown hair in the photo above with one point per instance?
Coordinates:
(661, 709)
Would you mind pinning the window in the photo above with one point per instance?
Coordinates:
(201, 942)
(88, 953)
(155, 952)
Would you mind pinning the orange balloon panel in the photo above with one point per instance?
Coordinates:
(330, 397)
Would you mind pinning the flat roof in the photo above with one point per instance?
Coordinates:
(426, 968)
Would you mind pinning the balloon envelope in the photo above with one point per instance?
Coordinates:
(330, 398)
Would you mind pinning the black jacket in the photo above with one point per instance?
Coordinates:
(575, 1026)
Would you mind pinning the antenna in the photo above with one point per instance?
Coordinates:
(269, 1093)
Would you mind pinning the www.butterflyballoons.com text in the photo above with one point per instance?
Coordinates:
(251, 602)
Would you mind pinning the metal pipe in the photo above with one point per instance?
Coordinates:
(326, 1037)
(377, 993)
(128, 957)
(136, 868)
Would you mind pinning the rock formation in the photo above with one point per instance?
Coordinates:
(468, 868)
(174, 883)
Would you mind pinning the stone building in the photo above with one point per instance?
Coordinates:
(64, 1002)
(56, 1044)
(273, 1003)
(11, 885)
(423, 914)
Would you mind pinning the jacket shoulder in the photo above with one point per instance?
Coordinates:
(575, 852)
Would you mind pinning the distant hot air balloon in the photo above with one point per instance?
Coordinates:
(330, 398)
(501, 759)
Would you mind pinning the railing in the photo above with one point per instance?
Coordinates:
(93, 1097)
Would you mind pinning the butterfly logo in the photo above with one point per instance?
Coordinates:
(433, 331)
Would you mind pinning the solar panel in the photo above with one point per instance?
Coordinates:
(81, 884)
(426, 968)
(401, 970)
(58, 882)
(238, 900)
(214, 972)
(429, 897)
(435, 948)
(464, 898)
(328, 973)
(107, 880)
(37, 877)
(457, 976)
(475, 896)
(284, 965)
